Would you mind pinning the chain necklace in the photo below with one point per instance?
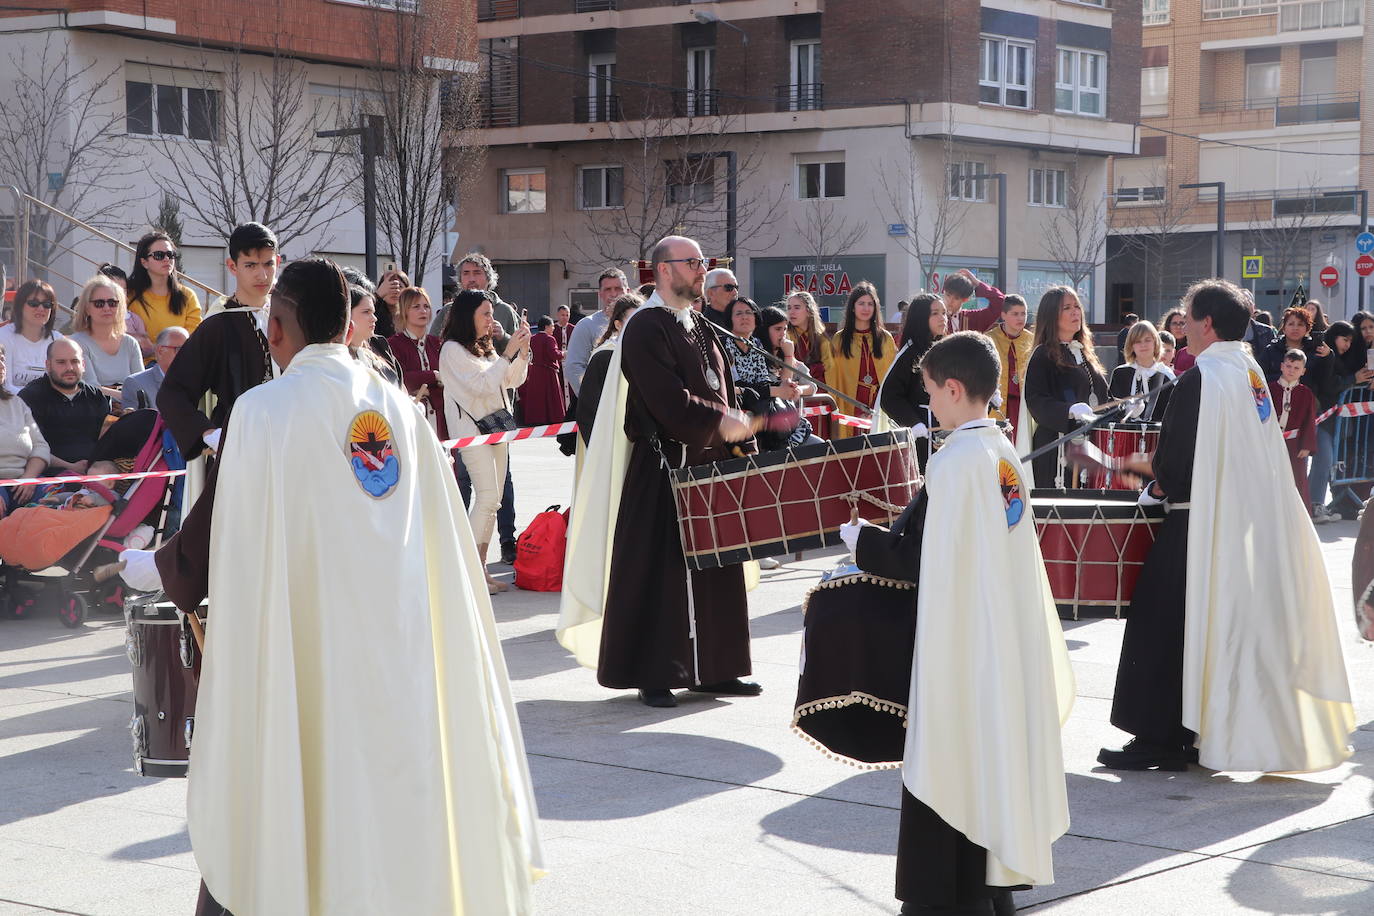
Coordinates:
(699, 335)
(267, 364)
(419, 349)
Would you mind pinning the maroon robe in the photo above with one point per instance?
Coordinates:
(1302, 416)
(414, 374)
(646, 639)
(541, 397)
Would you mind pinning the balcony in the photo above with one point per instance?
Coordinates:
(596, 109)
(696, 103)
(490, 10)
(593, 6)
(1289, 110)
(800, 96)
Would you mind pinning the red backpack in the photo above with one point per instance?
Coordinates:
(539, 552)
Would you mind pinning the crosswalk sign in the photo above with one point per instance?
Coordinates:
(1252, 267)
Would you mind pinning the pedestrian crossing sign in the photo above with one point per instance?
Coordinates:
(1252, 267)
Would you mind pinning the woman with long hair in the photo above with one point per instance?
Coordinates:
(1143, 370)
(389, 289)
(417, 352)
(594, 379)
(1064, 379)
(98, 326)
(771, 334)
(362, 328)
(475, 380)
(807, 332)
(863, 351)
(1175, 321)
(25, 340)
(155, 293)
(902, 395)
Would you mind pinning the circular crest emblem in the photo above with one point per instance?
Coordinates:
(1013, 496)
(372, 455)
(1263, 404)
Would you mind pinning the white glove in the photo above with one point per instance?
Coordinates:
(850, 534)
(997, 400)
(1082, 413)
(1135, 411)
(1147, 498)
(920, 431)
(212, 438)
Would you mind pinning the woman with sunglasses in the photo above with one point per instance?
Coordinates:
(100, 328)
(156, 296)
(26, 340)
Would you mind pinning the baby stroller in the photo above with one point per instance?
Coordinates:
(68, 584)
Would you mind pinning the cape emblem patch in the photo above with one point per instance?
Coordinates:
(1013, 499)
(1263, 404)
(371, 454)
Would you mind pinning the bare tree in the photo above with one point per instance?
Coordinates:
(1286, 239)
(430, 146)
(265, 163)
(1076, 237)
(1150, 223)
(933, 221)
(62, 142)
(673, 177)
(826, 232)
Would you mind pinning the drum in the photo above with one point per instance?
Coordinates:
(795, 499)
(859, 635)
(1094, 544)
(1121, 440)
(166, 663)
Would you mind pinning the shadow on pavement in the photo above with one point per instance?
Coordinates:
(538, 654)
(171, 845)
(830, 820)
(1296, 888)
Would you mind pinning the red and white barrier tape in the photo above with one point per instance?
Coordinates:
(1353, 409)
(845, 419)
(514, 435)
(88, 478)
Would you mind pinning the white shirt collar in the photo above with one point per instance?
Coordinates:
(976, 424)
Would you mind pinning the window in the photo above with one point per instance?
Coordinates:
(816, 180)
(167, 102)
(1048, 187)
(1228, 9)
(962, 185)
(601, 187)
(600, 80)
(1139, 195)
(1318, 77)
(692, 180)
(1154, 92)
(1004, 72)
(523, 191)
(806, 75)
(1262, 85)
(1156, 12)
(1080, 82)
(1296, 15)
(701, 82)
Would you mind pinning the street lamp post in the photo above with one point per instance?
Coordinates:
(369, 134)
(1363, 195)
(1001, 179)
(1221, 219)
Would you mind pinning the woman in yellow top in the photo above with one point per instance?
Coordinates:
(155, 295)
(862, 352)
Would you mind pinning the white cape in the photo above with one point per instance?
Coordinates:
(991, 683)
(357, 749)
(1264, 682)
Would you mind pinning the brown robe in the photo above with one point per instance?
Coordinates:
(646, 638)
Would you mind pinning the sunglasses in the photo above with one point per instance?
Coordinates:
(732, 287)
(39, 304)
(104, 303)
(163, 255)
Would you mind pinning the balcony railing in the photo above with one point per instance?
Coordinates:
(696, 103)
(593, 6)
(1294, 109)
(800, 96)
(596, 108)
(488, 10)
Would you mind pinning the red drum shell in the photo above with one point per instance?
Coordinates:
(782, 502)
(1093, 546)
(166, 674)
(1121, 440)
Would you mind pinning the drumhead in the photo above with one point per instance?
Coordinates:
(863, 442)
(1080, 505)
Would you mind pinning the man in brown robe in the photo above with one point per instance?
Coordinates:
(666, 626)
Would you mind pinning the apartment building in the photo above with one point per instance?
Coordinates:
(154, 96)
(1266, 97)
(816, 142)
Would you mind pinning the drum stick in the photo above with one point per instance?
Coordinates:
(197, 630)
(1104, 413)
(780, 364)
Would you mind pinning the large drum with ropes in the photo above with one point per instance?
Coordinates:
(1094, 543)
(779, 503)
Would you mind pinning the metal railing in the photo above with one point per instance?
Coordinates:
(488, 10)
(1293, 109)
(593, 6)
(696, 103)
(1353, 463)
(36, 235)
(800, 96)
(592, 109)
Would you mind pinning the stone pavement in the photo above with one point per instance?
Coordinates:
(711, 808)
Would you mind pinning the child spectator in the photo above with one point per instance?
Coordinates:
(1297, 413)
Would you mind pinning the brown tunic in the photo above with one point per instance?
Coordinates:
(647, 635)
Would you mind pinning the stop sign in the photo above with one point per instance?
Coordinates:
(1364, 265)
(1329, 276)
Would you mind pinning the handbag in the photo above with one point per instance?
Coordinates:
(498, 421)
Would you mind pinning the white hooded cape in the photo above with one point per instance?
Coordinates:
(991, 683)
(357, 749)
(1264, 682)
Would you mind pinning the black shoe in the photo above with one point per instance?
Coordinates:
(731, 688)
(662, 699)
(1141, 755)
(508, 554)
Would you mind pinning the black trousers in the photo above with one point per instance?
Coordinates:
(938, 868)
(207, 906)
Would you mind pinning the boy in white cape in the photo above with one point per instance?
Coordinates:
(983, 776)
